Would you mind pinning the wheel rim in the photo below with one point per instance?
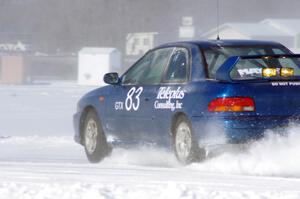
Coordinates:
(183, 141)
(91, 133)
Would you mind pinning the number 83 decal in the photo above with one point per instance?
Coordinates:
(133, 98)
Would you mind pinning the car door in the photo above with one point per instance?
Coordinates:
(172, 91)
(132, 101)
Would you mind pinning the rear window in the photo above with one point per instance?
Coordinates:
(248, 68)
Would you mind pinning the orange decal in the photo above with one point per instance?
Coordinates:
(101, 98)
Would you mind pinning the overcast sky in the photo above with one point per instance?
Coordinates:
(70, 24)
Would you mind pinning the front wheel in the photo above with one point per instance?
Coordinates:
(95, 145)
(185, 146)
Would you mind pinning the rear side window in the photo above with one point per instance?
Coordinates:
(245, 69)
(177, 71)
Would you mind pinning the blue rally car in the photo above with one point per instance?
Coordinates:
(181, 95)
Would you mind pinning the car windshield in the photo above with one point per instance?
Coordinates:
(248, 68)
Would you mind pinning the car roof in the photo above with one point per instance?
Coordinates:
(221, 42)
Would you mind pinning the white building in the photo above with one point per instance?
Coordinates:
(289, 26)
(285, 31)
(139, 43)
(187, 28)
(93, 63)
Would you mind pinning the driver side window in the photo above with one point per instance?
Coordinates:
(133, 75)
(149, 69)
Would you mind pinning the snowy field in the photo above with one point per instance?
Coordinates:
(39, 159)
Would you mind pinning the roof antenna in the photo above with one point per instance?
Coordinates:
(218, 20)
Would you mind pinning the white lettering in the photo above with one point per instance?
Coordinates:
(294, 83)
(285, 83)
(119, 105)
(164, 105)
(13, 47)
(167, 94)
(249, 71)
(133, 99)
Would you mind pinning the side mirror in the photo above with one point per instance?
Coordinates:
(111, 78)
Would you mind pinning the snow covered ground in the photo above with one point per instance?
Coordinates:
(38, 158)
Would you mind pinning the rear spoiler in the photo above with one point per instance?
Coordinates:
(223, 73)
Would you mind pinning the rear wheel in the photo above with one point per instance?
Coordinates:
(96, 147)
(185, 146)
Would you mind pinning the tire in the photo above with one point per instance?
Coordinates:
(95, 145)
(184, 143)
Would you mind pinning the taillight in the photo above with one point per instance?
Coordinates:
(232, 104)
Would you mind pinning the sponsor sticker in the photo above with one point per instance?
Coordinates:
(169, 98)
(250, 72)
